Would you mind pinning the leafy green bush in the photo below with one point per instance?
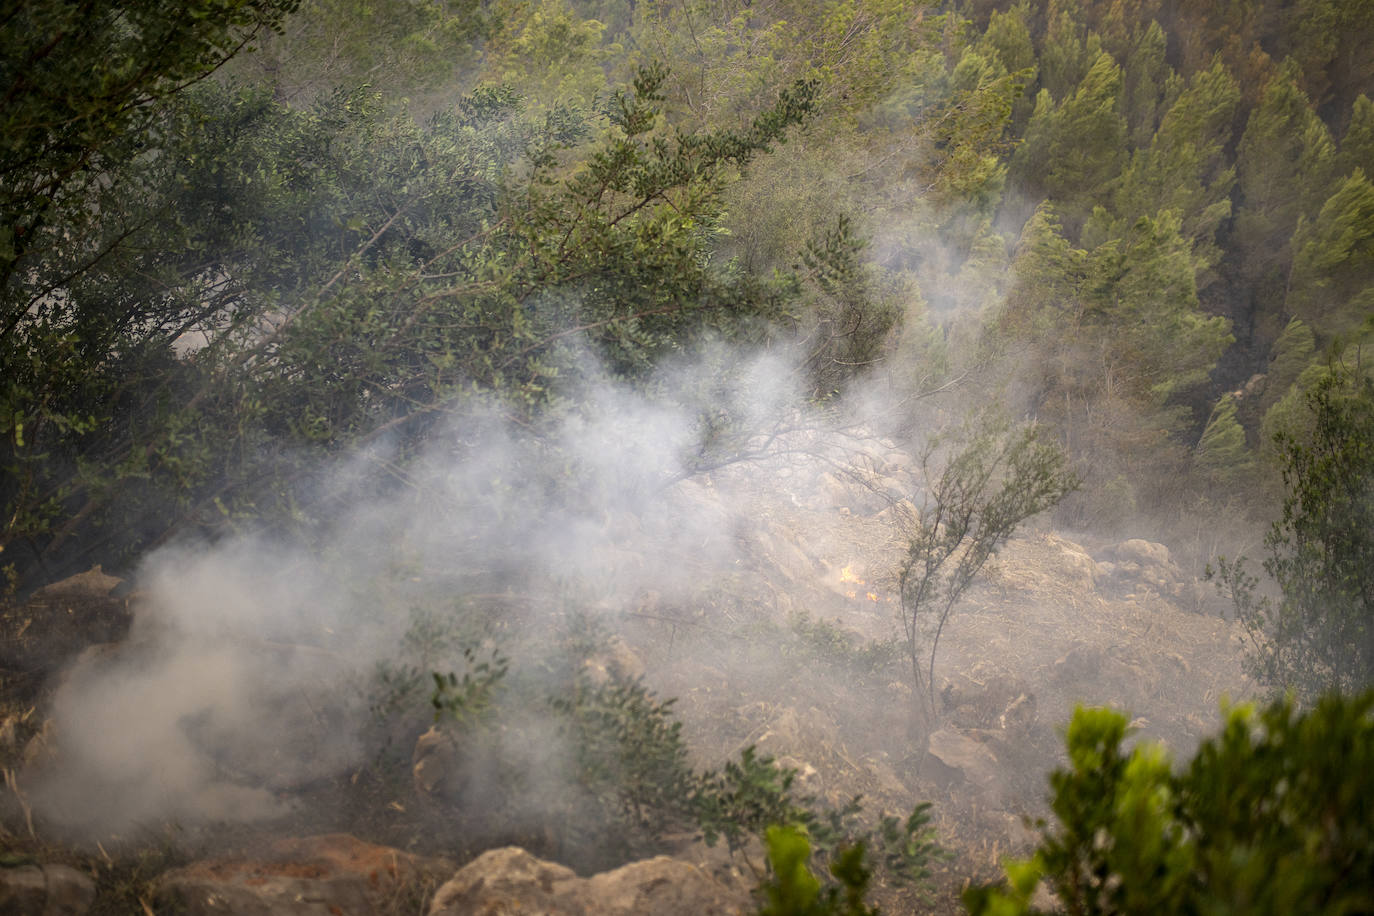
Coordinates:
(614, 750)
(817, 640)
(633, 765)
(629, 753)
(794, 891)
(1318, 634)
(1273, 815)
(240, 287)
(466, 698)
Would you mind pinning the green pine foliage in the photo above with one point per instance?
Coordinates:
(1151, 86)
(1332, 282)
(338, 273)
(1221, 453)
(331, 45)
(1294, 351)
(1181, 169)
(1133, 299)
(1074, 150)
(364, 150)
(1283, 166)
(1144, 293)
(1069, 51)
(1009, 37)
(1357, 144)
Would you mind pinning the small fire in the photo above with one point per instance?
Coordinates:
(849, 577)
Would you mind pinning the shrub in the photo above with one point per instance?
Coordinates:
(995, 476)
(1318, 633)
(630, 778)
(1273, 815)
(794, 891)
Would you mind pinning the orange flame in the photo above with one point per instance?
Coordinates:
(849, 577)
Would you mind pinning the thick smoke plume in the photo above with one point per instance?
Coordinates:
(250, 663)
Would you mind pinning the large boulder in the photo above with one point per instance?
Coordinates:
(956, 759)
(56, 623)
(1137, 566)
(512, 882)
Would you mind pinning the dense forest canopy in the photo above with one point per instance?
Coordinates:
(257, 234)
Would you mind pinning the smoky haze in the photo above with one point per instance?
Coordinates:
(250, 663)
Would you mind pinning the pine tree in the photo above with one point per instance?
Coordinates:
(1069, 50)
(1008, 36)
(1309, 38)
(1183, 169)
(1283, 165)
(1073, 152)
(1221, 453)
(1292, 353)
(1049, 273)
(1123, 23)
(1357, 145)
(1144, 295)
(1332, 282)
(1151, 86)
(1132, 302)
(1329, 40)
(1234, 29)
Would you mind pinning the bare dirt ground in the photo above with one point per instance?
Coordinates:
(1043, 631)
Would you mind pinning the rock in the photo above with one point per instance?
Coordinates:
(23, 890)
(1081, 664)
(93, 583)
(1002, 702)
(736, 870)
(614, 661)
(1138, 565)
(953, 758)
(1074, 564)
(333, 875)
(436, 765)
(1146, 553)
(56, 623)
(45, 890)
(512, 882)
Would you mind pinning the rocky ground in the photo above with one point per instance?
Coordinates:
(1056, 620)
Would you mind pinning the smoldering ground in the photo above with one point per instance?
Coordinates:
(252, 667)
